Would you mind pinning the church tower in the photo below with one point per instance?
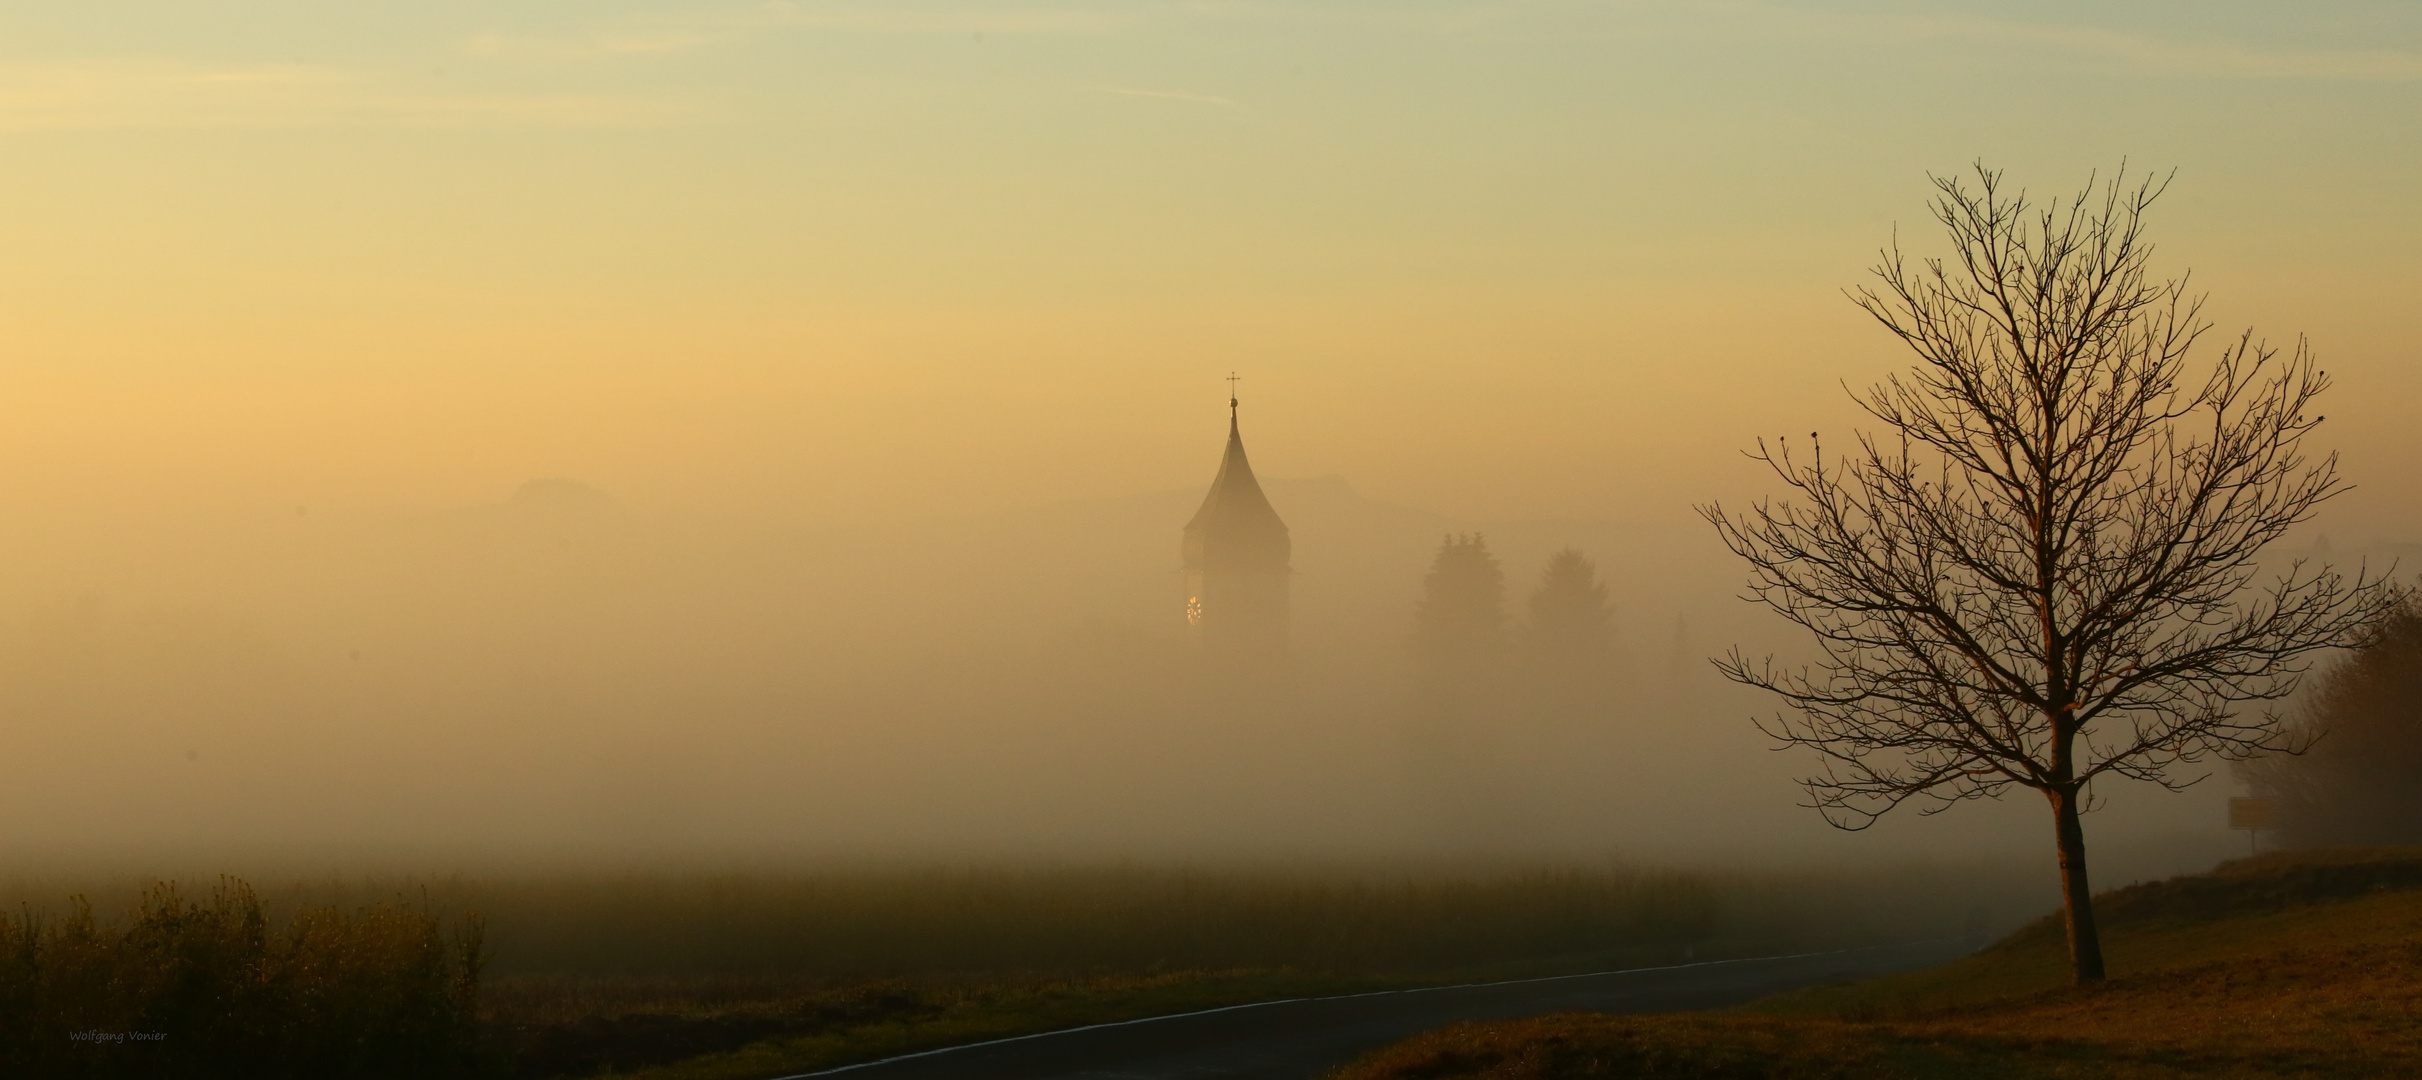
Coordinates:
(1236, 552)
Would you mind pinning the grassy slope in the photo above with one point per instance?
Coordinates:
(2282, 966)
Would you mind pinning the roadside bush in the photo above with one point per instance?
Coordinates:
(185, 988)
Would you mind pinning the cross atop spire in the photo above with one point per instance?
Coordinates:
(1232, 381)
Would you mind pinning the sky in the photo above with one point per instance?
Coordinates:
(910, 258)
(843, 266)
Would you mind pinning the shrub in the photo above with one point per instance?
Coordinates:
(184, 988)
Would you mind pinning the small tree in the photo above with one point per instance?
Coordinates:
(2360, 780)
(1571, 621)
(1452, 719)
(2038, 575)
(1462, 607)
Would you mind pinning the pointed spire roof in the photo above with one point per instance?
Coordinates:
(1236, 524)
(1235, 494)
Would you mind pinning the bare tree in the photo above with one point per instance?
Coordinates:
(2042, 572)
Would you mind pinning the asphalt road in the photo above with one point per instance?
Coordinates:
(1301, 1038)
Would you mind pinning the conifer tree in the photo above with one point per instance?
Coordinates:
(1571, 620)
(1462, 609)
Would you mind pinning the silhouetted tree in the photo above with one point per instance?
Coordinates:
(1455, 719)
(2360, 779)
(2037, 576)
(1571, 621)
(1462, 609)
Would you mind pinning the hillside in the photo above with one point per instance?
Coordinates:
(2303, 965)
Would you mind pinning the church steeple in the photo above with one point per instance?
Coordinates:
(1236, 552)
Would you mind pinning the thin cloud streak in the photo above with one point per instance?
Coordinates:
(2149, 54)
(1173, 95)
(656, 37)
(2144, 53)
(2216, 59)
(158, 93)
(604, 46)
(890, 19)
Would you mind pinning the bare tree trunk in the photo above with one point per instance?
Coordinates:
(2085, 941)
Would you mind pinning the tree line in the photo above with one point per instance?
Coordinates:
(1461, 621)
(2356, 778)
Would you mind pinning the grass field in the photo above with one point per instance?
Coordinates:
(212, 986)
(698, 978)
(2281, 966)
(702, 975)
(705, 979)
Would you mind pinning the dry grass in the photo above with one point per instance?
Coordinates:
(695, 1031)
(977, 1012)
(855, 926)
(743, 976)
(179, 987)
(702, 975)
(776, 975)
(2278, 967)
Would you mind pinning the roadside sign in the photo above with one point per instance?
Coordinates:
(2255, 812)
